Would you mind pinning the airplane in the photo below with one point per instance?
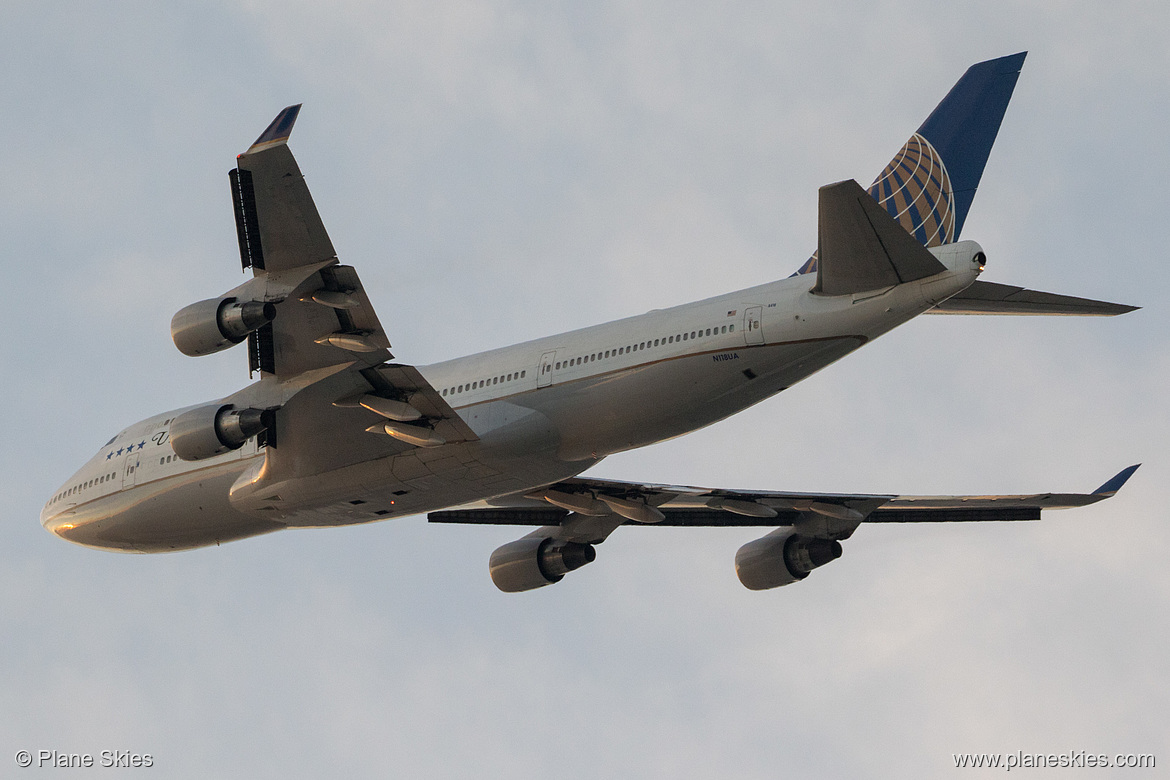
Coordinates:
(335, 433)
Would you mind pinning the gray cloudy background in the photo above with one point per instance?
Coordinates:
(501, 171)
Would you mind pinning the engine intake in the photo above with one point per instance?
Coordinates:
(782, 557)
(536, 561)
(213, 430)
(213, 325)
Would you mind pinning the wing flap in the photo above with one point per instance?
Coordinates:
(406, 383)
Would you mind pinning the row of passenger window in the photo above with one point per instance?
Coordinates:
(495, 380)
(78, 488)
(504, 378)
(694, 334)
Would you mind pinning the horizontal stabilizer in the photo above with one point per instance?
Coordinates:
(860, 247)
(991, 298)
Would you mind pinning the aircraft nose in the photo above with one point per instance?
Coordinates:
(64, 527)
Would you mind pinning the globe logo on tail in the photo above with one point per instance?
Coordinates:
(916, 191)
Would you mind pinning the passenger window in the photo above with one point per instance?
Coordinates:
(522, 373)
(731, 328)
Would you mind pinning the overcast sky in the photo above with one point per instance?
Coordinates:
(502, 171)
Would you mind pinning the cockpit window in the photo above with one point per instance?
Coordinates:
(111, 441)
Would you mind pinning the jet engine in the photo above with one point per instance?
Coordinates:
(218, 323)
(212, 430)
(782, 557)
(536, 561)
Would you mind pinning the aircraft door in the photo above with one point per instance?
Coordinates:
(545, 372)
(130, 468)
(753, 325)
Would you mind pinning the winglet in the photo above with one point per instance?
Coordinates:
(277, 132)
(1114, 485)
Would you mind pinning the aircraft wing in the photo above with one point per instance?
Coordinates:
(572, 501)
(325, 350)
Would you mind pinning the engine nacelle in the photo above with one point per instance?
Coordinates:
(782, 557)
(213, 430)
(214, 325)
(536, 561)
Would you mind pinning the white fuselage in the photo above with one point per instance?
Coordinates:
(543, 410)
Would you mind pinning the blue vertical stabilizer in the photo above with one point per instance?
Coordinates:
(964, 125)
(929, 185)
